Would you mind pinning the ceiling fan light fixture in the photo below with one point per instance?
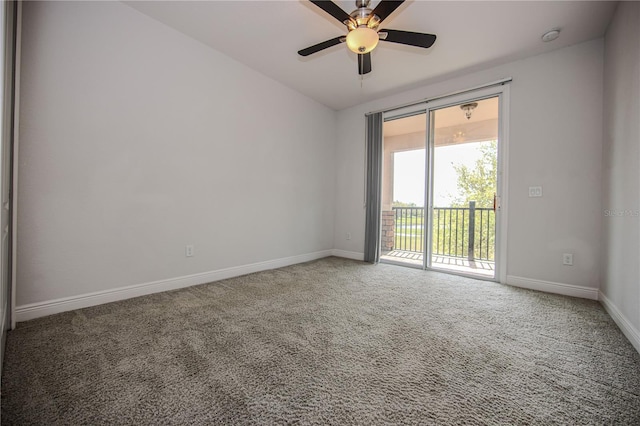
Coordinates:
(362, 40)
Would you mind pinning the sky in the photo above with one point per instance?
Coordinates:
(408, 179)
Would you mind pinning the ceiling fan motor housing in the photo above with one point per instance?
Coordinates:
(362, 16)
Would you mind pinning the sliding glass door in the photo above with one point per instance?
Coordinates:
(403, 189)
(442, 184)
(464, 187)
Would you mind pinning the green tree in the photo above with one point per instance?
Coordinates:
(479, 182)
(451, 227)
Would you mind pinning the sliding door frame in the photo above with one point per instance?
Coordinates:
(398, 114)
(502, 93)
(500, 89)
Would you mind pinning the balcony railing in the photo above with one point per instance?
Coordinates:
(462, 232)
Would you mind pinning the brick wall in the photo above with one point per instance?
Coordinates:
(388, 230)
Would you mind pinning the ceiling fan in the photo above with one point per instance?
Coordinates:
(364, 33)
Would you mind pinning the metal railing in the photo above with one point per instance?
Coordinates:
(409, 229)
(463, 232)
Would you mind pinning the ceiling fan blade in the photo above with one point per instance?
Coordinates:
(332, 9)
(321, 46)
(364, 63)
(408, 37)
(386, 8)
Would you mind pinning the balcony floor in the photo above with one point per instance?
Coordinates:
(445, 263)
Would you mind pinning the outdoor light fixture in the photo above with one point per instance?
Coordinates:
(468, 109)
(362, 40)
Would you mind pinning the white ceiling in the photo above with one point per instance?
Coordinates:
(266, 35)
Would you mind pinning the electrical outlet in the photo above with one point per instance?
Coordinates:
(535, 191)
(189, 251)
(348, 235)
(567, 259)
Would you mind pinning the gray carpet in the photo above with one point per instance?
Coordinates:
(328, 342)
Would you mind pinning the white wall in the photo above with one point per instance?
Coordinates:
(555, 141)
(137, 140)
(621, 175)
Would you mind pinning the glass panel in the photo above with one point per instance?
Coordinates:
(403, 180)
(465, 157)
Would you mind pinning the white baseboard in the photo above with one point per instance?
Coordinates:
(551, 287)
(50, 307)
(348, 254)
(623, 323)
